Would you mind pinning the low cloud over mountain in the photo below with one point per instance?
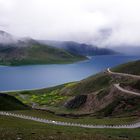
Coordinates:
(106, 23)
(6, 38)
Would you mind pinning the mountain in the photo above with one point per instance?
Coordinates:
(6, 38)
(8, 102)
(80, 48)
(127, 49)
(95, 95)
(26, 51)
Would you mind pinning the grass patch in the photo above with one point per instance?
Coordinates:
(52, 98)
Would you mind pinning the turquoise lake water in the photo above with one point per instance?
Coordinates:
(40, 76)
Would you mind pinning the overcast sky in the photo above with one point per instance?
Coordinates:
(105, 22)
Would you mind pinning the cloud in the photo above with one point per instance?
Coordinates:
(77, 20)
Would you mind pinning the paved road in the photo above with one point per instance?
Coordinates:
(123, 74)
(133, 125)
(126, 91)
(118, 85)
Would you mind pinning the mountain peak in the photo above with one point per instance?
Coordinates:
(6, 38)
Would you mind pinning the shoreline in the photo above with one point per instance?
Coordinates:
(33, 89)
(20, 90)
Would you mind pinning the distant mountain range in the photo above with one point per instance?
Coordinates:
(25, 51)
(79, 48)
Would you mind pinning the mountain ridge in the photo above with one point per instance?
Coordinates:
(79, 48)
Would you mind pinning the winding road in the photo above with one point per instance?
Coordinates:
(132, 125)
(118, 85)
(126, 91)
(123, 74)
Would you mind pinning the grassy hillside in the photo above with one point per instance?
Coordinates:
(32, 52)
(8, 102)
(130, 67)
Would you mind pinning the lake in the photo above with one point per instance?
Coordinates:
(40, 76)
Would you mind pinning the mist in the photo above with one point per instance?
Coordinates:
(104, 23)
